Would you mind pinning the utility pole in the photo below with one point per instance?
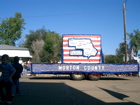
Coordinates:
(125, 42)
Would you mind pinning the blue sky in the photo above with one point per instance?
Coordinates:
(103, 17)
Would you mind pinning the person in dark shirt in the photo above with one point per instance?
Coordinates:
(6, 79)
(16, 90)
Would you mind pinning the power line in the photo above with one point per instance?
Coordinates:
(78, 13)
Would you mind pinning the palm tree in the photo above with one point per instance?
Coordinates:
(135, 41)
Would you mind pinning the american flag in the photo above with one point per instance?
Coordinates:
(132, 53)
(68, 58)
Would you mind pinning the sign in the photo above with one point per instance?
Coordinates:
(83, 68)
(81, 49)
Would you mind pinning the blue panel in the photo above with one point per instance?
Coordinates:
(84, 68)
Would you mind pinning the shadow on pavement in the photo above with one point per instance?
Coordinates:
(35, 93)
(69, 78)
(53, 77)
(112, 78)
(115, 94)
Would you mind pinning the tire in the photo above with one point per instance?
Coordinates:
(77, 76)
(94, 76)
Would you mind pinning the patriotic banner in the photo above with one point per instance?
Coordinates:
(132, 54)
(83, 68)
(81, 49)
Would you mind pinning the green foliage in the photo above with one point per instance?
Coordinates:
(110, 59)
(45, 45)
(52, 47)
(33, 36)
(121, 49)
(114, 59)
(135, 41)
(11, 29)
(118, 58)
(120, 53)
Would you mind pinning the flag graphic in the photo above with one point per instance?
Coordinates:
(81, 48)
(132, 53)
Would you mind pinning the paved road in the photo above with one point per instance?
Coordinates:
(64, 91)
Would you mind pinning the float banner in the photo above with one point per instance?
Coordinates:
(83, 68)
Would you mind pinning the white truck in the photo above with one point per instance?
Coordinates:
(82, 58)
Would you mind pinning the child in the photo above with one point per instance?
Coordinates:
(16, 76)
(6, 79)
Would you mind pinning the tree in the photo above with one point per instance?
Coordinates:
(45, 45)
(11, 29)
(110, 59)
(52, 47)
(34, 36)
(118, 58)
(37, 47)
(135, 41)
(35, 43)
(120, 52)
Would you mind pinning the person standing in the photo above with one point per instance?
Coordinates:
(20, 61)
(16, 90)
(29, 61)
(6, 79)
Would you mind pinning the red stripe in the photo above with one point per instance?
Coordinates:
(65, 40)
(93, 41)
(82, 36)
(80, 60)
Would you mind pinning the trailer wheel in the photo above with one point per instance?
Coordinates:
(94, 76)
(77, 76)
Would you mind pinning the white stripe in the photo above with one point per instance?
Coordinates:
(98, 48)
(94, 43)
(67, 52)
(81, 58)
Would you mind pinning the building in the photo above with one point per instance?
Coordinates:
(13, 51)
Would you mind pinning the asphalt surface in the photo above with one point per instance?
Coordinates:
(61, 90)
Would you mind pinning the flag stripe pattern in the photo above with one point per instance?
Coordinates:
(95, 41)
